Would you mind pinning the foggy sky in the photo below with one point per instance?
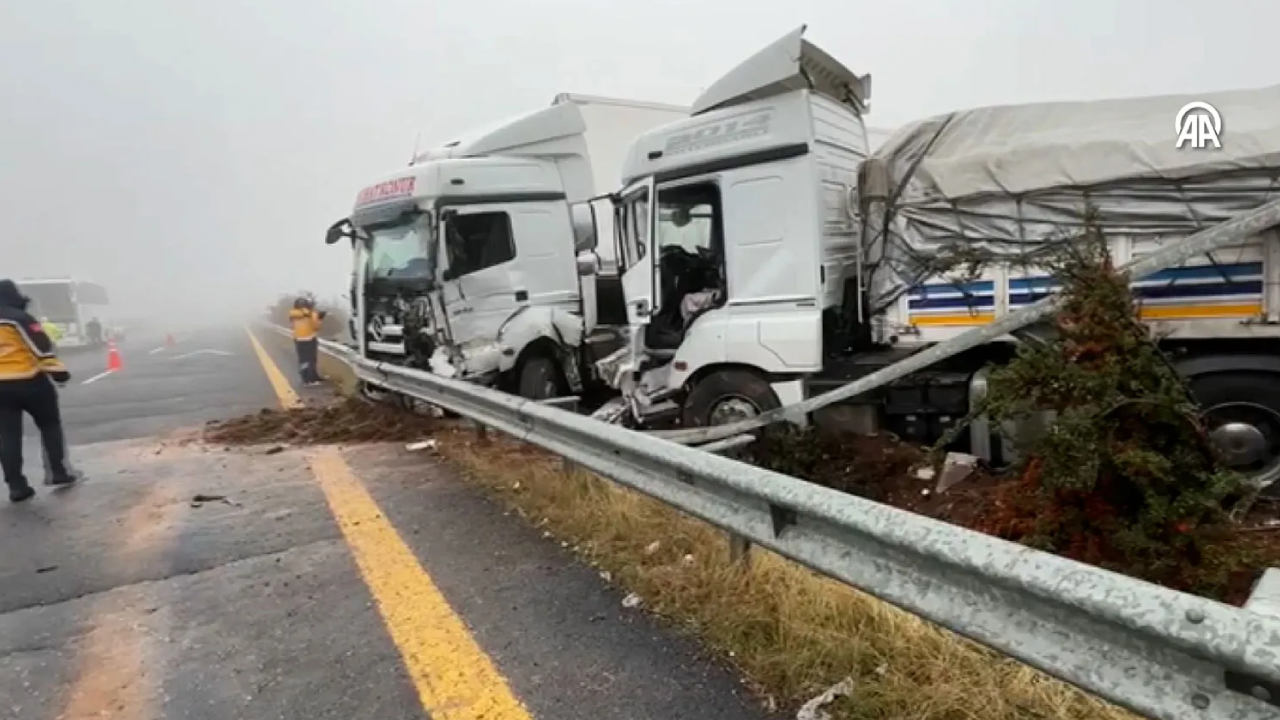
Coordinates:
(189, 155)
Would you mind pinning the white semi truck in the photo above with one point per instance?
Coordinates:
(479, 260)
(815, 266)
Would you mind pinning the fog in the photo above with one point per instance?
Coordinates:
(188, 156)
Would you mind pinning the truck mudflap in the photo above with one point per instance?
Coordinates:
(1232, 231)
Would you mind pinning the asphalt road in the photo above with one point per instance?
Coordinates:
(364, 582)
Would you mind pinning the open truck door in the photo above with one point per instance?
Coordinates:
(634, 222)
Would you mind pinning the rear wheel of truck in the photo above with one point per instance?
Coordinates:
(728, 396)
(1242, 414)
(541, 379)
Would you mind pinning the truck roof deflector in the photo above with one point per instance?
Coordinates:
(790, 63)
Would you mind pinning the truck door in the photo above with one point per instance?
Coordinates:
(478, 291)
(633, 226)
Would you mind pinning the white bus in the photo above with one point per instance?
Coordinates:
(69, 304)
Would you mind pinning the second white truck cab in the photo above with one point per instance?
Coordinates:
(728, 273)
(479, 259)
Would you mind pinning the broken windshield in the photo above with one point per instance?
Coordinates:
(401, 250)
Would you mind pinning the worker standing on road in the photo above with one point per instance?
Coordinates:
(51, 329)
(93, 329)
(29, 367)
(306, 330)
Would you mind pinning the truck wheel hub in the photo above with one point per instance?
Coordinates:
(1240, 443)
(731, 410)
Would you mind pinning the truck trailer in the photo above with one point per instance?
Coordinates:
(481, 259)
(820, 262)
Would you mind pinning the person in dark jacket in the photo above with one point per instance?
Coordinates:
(29, 367)
(93, 329)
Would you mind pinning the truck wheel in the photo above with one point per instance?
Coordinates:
(1242, 414)
(728, 396)
(541, 379)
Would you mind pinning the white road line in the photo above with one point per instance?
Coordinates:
(97, 377)
(157, 350)
(223, 353)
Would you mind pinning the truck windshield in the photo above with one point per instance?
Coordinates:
(400, 250)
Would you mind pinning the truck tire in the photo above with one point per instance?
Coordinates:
(541, 379)
(728, 396)
(1242, 413)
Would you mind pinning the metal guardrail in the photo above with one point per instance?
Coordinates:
(1161, 653)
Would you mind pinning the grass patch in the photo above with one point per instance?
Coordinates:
(790, 632)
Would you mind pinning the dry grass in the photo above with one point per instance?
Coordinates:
(790, 632)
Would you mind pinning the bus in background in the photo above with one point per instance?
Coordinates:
(69, 305)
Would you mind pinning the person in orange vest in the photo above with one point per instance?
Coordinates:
(29, 367)
(306, 320)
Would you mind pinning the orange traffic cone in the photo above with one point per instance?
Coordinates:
(113, 357)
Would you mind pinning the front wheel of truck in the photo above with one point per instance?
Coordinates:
(723, 397)
(541, 379)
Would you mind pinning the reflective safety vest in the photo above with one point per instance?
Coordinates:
(52, 330)
(26, 349)
(306, 323)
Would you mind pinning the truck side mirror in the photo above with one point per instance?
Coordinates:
(344, 228)
(582, 217)
(337, 231)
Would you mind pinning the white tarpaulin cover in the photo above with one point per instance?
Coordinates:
(1009, 178)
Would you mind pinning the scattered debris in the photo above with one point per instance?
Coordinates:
(275, 450)
(632, 600)
(421, 445)
(46, 568)
(351, 420)
(813, 710)
(606, 576)
(956, 468)
(199, 500)
(652, 547)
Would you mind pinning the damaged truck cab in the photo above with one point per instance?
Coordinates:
(478, 261)
(737, 240)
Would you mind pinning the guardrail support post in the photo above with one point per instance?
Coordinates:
(739, 550)
(482, 434)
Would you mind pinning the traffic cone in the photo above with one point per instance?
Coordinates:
(168, 340)
(113, 357)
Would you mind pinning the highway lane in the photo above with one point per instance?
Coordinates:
(334, 582)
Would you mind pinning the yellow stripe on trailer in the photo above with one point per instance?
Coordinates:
(1197, 312)
(954, 319)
